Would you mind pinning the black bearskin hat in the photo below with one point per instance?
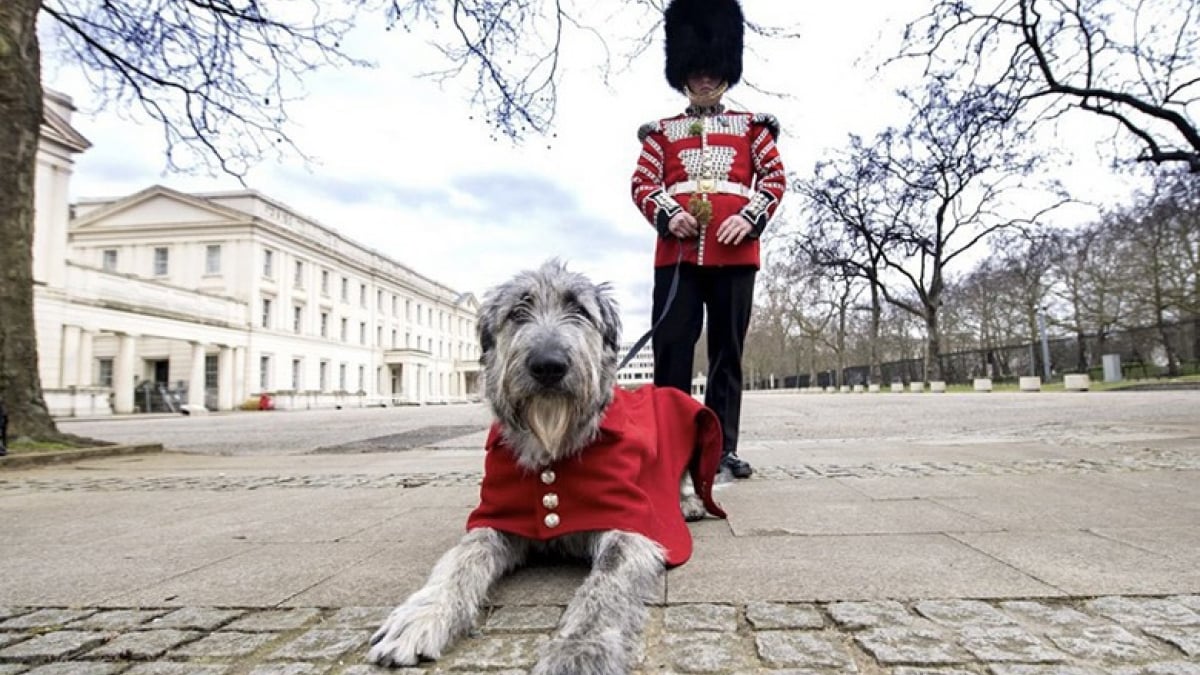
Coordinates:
(703, 36)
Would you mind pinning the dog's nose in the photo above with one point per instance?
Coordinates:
(548, 367)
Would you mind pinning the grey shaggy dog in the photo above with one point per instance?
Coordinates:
(550, 340)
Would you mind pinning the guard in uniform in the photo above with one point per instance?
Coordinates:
(709, 180)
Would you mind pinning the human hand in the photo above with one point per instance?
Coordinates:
(684, 225)
(734, 230)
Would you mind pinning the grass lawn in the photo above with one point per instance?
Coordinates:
(28, 447)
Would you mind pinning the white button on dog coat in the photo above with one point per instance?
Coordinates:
(551, 520)
(550, 501)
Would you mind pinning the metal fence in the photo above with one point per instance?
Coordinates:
(1143, 352)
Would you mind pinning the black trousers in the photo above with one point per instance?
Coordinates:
(726, 294)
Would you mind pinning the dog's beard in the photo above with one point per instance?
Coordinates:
(549, 418)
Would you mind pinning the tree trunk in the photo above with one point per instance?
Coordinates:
(20, 127)
(875, 374)
(933, 347)
(1081, 359)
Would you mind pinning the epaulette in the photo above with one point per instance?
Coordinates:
(649, 128)
(769, 121)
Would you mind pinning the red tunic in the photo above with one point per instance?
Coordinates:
(731, 156)
(628, 479)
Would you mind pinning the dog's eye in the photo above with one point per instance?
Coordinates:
(522, 312)
(573, 306)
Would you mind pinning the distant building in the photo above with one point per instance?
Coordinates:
(228, 296)
(639, 370)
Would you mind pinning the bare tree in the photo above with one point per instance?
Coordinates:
(957, 170)
(1093, 282)
(1135, 63)
(851, 214)
(1158, 235)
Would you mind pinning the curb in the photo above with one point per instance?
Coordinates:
(59, 456)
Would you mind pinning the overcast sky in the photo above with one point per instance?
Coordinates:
(403, 168)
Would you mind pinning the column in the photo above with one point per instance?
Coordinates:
(68, 366)
(195, 404)
(239, 375)
(225, 397)
(123, 375)
(87, 343)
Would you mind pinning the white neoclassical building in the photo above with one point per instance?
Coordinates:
(209, 301)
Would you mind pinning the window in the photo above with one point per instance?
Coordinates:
(379, 336)
(266, 313)
(106, 373)
(298, 281)
(362, 378)
(297, 318)
(264, 373)
(419, 314)
(345, 289)
(395, 305)
(342, 377)
(324, 282)
(212, 259)
(324, 324)
(160, 261)
(362, 295)
(393, 338)
(379, 301)
(345, 329)
(269, 263)
(297, 368)
(109, 260)
(408, 310)
(362, 332)
(324, 375)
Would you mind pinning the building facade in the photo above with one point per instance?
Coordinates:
(639, 370)
(210, 301)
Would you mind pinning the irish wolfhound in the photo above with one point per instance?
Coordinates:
(575, 467)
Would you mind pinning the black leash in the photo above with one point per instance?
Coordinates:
(637, 346)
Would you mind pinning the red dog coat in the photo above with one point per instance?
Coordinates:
(627, 479)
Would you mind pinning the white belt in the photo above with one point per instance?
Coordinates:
(709, 186)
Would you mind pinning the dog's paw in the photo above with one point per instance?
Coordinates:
(602, 655)
(692, 507)
(412, 632)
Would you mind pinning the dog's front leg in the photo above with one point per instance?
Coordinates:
(689, 502)
(601, 626)
(446, 607)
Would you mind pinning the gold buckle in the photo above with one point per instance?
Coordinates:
(706, 185)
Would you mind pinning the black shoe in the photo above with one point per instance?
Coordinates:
(737, 466)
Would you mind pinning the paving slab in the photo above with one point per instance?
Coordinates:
(1082, 563)
(795, 569)
(811, 509)
(257, 575)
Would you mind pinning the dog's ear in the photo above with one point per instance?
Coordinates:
(610, 317)
(488, 319)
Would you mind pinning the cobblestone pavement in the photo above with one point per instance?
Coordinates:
(1144, 460)
(1119, 635)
